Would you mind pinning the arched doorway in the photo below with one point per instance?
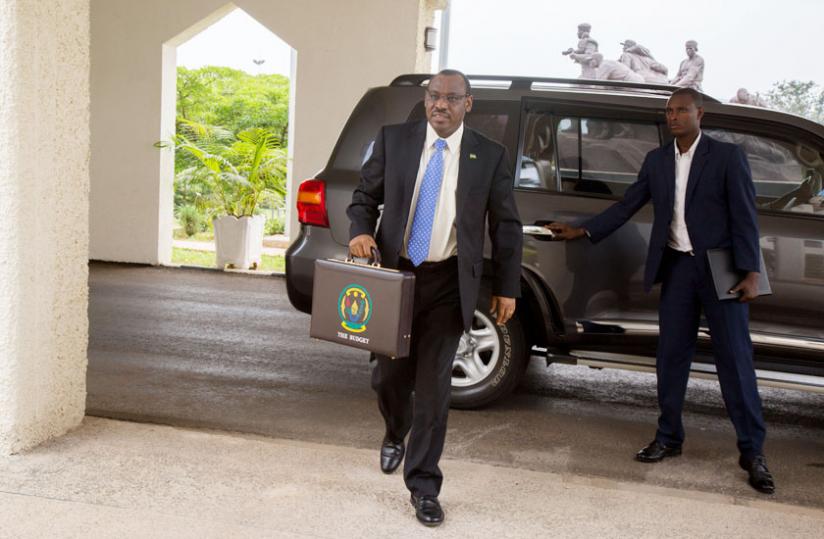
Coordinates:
(224, 77)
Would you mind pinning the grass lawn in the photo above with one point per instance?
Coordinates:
(192, 257)
(206, 235)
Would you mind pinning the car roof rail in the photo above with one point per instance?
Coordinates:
(526, 83)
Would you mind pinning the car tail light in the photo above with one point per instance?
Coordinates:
(312, 203)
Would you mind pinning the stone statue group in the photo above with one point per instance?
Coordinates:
(637, 64)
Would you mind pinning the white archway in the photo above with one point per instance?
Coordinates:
(168, 115)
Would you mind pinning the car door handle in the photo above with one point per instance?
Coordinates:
(538, 232)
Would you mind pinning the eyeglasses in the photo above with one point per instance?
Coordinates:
(452, 99)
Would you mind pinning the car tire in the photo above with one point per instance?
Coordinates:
(490, 359)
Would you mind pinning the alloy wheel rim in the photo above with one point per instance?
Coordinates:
(478, 353)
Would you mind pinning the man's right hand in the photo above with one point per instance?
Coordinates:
(563, 231)
(361, 246)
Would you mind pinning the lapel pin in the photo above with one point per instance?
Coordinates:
(473, 156)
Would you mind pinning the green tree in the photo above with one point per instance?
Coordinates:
(194, 92)
(804, 98)
(234, 100)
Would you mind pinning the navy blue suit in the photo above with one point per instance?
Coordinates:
(719, 212)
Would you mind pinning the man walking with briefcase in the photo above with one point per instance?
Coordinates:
(439, 181)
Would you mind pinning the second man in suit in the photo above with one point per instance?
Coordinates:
(439, 182)
(703, 197)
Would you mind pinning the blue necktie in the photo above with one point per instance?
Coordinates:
(418, 247)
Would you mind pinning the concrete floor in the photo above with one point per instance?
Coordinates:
(118, 479)
(201, 349)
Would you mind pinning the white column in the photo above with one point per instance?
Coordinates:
(426, 17)
(44, 227)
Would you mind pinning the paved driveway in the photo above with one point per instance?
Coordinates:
(202, 348)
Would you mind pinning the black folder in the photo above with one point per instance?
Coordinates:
(725, 276)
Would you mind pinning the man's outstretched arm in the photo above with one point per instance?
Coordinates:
(606, 222)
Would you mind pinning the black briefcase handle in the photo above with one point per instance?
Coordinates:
(374, 260)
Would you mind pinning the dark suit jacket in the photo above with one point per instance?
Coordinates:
(719, 206)
(484, 192)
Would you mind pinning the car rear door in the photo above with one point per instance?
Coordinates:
(574, 162)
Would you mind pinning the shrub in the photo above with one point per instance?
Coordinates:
(189, 217)
(230, 179)
(275, 225)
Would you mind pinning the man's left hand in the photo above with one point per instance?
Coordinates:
(503, 308)
(748, 288)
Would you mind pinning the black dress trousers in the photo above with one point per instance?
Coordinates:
(437, 327)
(687, 291)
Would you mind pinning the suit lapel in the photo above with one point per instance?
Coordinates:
(467, 168)
(697, 166)
(669, 174)
(411, 161)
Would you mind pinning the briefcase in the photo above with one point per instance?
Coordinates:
(364, 306)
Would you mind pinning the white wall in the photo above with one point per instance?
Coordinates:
(343, 48)
(44, 185)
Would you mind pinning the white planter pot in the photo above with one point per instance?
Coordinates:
(239, 241)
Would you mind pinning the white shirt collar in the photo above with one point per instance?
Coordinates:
(689, 153)
(453, 142)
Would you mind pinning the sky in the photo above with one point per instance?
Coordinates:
(235, 41)
(748, 44)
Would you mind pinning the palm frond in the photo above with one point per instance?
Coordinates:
(232, 175)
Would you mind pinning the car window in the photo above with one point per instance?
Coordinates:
(602, 156)
(379, 107)
(538, 168)
(787, 175)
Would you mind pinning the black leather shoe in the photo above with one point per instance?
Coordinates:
(428, 510)
(391, 455)
(656, 452)
(760, 477)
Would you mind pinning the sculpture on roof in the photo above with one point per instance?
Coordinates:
(744, 97)
(612, 70)
(691, 72)
(584, 51)
(640, 60)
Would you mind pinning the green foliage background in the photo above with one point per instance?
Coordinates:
(217, 107)
(804, 98)
(234, 100)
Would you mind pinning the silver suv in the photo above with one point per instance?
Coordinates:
(575, 147)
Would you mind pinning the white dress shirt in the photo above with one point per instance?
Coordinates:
(679, 238)
(444, 241)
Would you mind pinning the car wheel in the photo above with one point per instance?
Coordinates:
(490, 360)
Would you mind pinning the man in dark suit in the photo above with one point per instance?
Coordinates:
(703, 198)
(439, 182)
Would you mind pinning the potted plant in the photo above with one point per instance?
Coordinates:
(237, 173)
